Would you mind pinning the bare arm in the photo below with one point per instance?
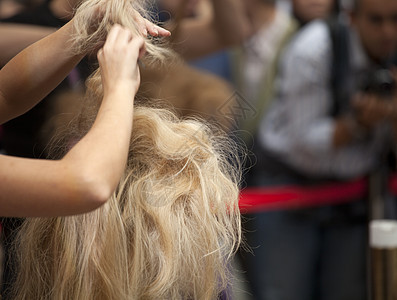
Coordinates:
(85, 178)
(16, 37)
(33, 73)
(228, 26)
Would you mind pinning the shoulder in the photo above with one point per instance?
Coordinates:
(312, 42)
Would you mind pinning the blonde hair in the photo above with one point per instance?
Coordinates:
(94, 19)
(169, 230)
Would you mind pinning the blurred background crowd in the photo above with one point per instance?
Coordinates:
(306, 87)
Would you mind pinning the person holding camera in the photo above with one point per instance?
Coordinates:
(333, 117)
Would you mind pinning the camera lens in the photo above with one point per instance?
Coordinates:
(381, 83)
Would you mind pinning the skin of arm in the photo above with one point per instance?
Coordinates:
(33, 73)
(86, 177)
(16, 37)
(199, 37)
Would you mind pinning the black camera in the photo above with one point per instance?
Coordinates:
(380, 83)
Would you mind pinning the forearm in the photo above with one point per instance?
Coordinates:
(16, 37)
(41, 188)
(80, 182)
(101, 155)
(33, 73)
(197, 37)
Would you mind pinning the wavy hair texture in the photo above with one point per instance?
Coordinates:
(169, 230)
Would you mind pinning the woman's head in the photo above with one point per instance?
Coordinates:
(168, 232)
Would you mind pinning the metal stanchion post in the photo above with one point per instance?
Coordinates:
(383, 249)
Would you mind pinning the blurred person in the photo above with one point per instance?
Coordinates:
(200, 34)
(209, 19)
(255, 66)
(255, 63)
(174, 12)
(311, 134)
(193, 91)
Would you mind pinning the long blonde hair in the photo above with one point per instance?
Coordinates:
(169, 231)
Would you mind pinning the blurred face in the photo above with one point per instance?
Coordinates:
(173, 6)
(376, 23)
(308, 10)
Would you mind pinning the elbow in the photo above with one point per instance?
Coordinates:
(92, 191)
(85, 187)
(97, 194)
(98, 191)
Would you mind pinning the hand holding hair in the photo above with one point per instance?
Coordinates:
(146, 27)
(118, 59)
(87, 175)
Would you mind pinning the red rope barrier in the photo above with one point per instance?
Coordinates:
(393, 184)
(294, 196)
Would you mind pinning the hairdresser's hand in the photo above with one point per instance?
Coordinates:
(118, 60)
(146, 27)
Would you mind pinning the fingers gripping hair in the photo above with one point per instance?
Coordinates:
(94, 18)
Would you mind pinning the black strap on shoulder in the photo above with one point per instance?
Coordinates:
(340, 66)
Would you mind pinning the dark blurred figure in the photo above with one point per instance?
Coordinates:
(332, 118)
